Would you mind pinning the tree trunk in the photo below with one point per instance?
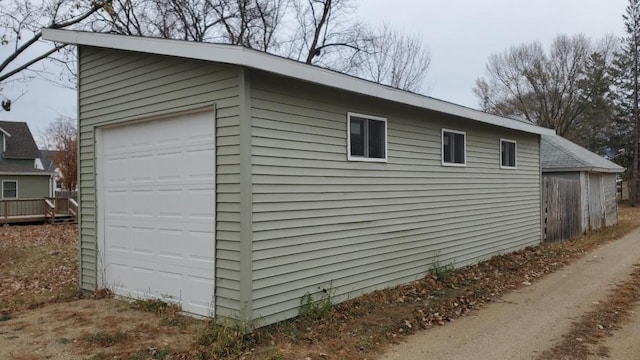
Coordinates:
(633, 195)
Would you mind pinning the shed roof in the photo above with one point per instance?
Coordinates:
(241, 56)
(20, 143)
(560, 155)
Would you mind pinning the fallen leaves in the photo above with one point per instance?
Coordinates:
(587, 333)
(38, 265)
(367, 324)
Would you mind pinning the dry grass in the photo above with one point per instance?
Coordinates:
(38, 265)
(357, 329)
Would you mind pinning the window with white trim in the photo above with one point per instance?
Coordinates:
(508, 153)
(9, 189)
(454, 148)
(366, 137)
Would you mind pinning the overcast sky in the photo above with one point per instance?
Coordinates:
(461, 34)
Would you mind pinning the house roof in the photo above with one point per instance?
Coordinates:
(15, 169)
(20, 143)
(241, 56)
(560, 155)
(46, 157)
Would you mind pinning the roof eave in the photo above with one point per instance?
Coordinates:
(240, 56)
(580, 169)
(18, 173)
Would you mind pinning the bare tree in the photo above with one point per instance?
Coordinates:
(251, 23)
(21, 24)
(317, 32)
(395, 59)
(541, 87)
(62, 135)
(137, 18)
(326, 36)
(194, 20)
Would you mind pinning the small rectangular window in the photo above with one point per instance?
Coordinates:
(454, 148)
(507, 154)
(9, 189)
(367, 138)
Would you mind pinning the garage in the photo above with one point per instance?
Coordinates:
(156, 181)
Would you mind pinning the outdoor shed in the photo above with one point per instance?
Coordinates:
(593, 176)
(236, 182)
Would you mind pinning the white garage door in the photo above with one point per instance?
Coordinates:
(157, 202)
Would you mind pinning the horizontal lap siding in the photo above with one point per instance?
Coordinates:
(30, 186)
(321, 222)
(117, 86)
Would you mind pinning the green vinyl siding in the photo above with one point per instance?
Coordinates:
(22, 162)
(119, 86)
(29, 186)
(293, 215)
(323, 223)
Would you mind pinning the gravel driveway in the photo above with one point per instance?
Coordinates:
(524, 323)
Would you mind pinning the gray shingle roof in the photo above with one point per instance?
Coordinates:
(46, 157)
(20, 145)
(21, 169)
(559, 154)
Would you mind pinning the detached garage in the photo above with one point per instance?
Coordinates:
(235, 182)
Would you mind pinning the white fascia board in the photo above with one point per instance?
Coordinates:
(580, 169)
(4, 132)
(240, 56)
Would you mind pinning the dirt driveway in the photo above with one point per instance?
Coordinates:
(524, 323)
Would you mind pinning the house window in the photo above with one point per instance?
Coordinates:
(507, 154)
(367, 138)
(454, 148)
(9, 189)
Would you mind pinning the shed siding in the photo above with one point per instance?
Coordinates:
(117, 86)
(583, 178)
(610, 199)
(321, 222)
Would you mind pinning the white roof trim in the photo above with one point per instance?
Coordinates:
(4, 132)
(241, 56)
(581, 169)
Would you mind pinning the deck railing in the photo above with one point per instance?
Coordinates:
(25, 210)
(21, 208)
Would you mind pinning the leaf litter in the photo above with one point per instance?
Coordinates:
(39, 265)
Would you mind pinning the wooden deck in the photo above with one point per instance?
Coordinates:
(51, 210)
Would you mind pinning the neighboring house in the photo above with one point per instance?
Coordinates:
(236, 182)
(595, 175)
(19, 177)
(48, 164)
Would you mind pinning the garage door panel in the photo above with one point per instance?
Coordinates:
(199, 201)
(158, 183)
